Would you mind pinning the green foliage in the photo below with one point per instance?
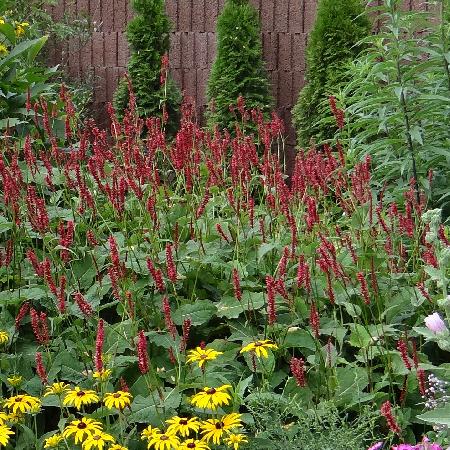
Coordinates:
(148, 36)
(239, 67)
(333, 43)
(398, 101)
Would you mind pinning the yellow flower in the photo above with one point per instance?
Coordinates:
(97, 440)
(103, 375)
(20, 28)
(4, 336)
(201, 355)
(182, 425)
(212, 398)
(2, 21)
(23, 403)
(213, 429)
(57, 389)
(82, 429)
(149, 432)
(119, 400)
(193, 444)
(77, 397)
(117, 447)
(164, 441)
(234, 440)
(259, 347)
(15, 380)
(53, 441)
(3, 418)
(5, 433)
(3, 50)
(15, 417)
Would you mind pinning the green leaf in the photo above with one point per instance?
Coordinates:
(440, 416)
(9, 32)
(199, 312)
(264, 249)
(231, 308)
(33, 47)
(143, 410)
(5, 225)
(359, 337)
(299, 338)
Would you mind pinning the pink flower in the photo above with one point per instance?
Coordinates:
(376, 446)
(434, 323)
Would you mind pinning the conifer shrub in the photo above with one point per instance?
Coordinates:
(333, 43)
(148, 36)
(239, 66)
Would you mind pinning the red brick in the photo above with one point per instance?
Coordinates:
(211, 11)
(267, 15)
(58, 10)
(190, 82)
(187, 50)
(86, 55)
(82, 7)
(120, 15)
(202, 79)
(175, 50)
(273, 76)
(299, 51)
(284, 51)
(184, 15)
(172, 11)
(108, 15)
(201, 50)
(122, 49)
(285, 90)
(112, 79)
(95, 12)
(98, 55)
(177, 76)
(281, 15)
(198, 15)
(212, 47)
(111, 49)
(221, 5)
(296, 15)
(270, 50)
(310, 15)
(298, 81)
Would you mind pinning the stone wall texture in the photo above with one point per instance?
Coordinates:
(102, 59)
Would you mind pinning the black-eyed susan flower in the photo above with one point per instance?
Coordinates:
(23, 403)
(193, 444)
(259, 348)
(202, 355)
(235, 440)
(53, 441)
(214, 429)
(4, 336)
(102, 375)
(78, 397)
(82, 429)
(182, 425)
(16, 418)
(212, 398)
(3, 417)
(164, 441)
(148, 432)
(117, 447)
(119, 400)
(15, 380)
(97, 441)
(5, 435)
(58, 388)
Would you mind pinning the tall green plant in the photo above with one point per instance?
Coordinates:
(148, 35)
(398, 100)
(334, 42)
(239, 67)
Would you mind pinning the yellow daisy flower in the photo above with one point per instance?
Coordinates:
(3, 50)
(212, 398)
(57, 389)
(53, 441)
(20, 28)
(23, 403)
(234, 440)
(117, 447)
(260, 348)
(119, 400)
(5, 434)
(201, 355)
(4, 336)
(3, 418)
(103, 375)
(98, 441)
(164, 441)
(77, 397)
(193, 444)
(82, 429)
(15, 380)
(15, 417)
(213, 429)
(148, 432)
(182, 425)
(2, 21)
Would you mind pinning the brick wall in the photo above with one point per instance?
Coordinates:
(103, 58)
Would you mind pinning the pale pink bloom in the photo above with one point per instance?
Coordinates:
(434, 323)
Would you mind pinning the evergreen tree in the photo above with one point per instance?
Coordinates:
(333, 43)
(148, 36)
(239, 67)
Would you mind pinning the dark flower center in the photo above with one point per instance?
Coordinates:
(117, 395)
(81, 394)
(18, 399)
(219, 425)
(96, 437)
(81, 426)
(211, 391)
(183, 422)
(164, 437)
(258, 344)
(190, 445)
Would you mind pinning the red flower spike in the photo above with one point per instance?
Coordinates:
(297, 366)
(40, 369)
(386, 412)
(99, 345)
(143, 362)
